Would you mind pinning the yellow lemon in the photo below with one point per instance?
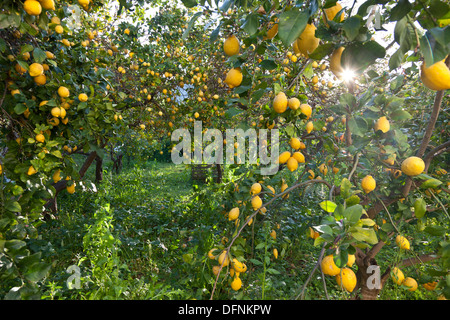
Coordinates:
(40, 138)
(36, 69)
(294, 143)
(56, 176)
(48, 4)
(31, 171)
(256, 188)
(32, 7)
(329, 267)
(256, 202)
(233, 214)
(323, 168)
(63, 92)
(436, 76)
(280, 103)
(351, 260)
(413, 166)
(231, 46)
(273, 234)
(402, 242)
(368, 183)
(313, 234)
(223, 258)
(292, 164)
(284, 157)
(84, 3)
(299, 157)
(332, 12)
(40, 80)
(234, 78)
(335, 62)
(20, 69)
(272, 32)
(309, 127)
(430, 285)
(236, 284)
(307, 42)
(347, 279)
(306, 110)
(238, 266)
(410, 283)
(397, 275)
(83, 97)
(293, 103)
(382, 124)
(71, 189)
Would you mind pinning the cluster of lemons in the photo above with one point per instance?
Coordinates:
(345, 277)
(37, 71)
(436, 77)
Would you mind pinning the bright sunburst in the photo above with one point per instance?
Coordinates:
(348, 75)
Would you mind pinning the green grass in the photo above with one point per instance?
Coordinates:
(163, 225)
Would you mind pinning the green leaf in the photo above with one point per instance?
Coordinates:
(367, 222)
(353, 213)
(26, 48)
(396, 59)
(431, 183)
(400, 10)
(347, 99)
(273, 271)
(351, 27)
(291, 25)
(260, 246)
(39, 55)
(37, 271)
(256, 262)
(190, 24)
(187, 257)
(431, 49)
(365, 235)
(13, 206)
(436, 230)
(341, 258)
(189, 3)
(328, 206)
(20, 108)
(358, 56)
(215, 33)
(400, 115)
(323, 228)
(251, 24)
(322, 51)
(57, 153)
(9, 20)
(268, 64)
(345, 187)
(420, 207)
(352, 200)
(358, 126)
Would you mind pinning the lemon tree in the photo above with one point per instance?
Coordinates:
(362, 120)
(358, 126)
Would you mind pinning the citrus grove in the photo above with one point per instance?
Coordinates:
(360, 203)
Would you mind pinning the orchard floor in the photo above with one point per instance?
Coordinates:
(145, 234)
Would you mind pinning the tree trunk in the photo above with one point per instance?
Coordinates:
(51, 204)
(98, 169)
(219, 173)
(367, 280)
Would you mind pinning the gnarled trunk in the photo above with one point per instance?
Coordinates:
(369, 278)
